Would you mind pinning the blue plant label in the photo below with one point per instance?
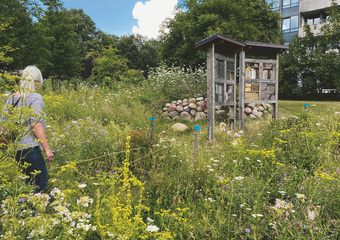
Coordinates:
(306, 104)
(197, 128)
(152, 118)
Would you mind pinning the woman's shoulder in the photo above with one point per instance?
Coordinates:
(34, 96)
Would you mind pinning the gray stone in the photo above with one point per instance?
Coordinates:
(258, 114)
(185, 104)
(221, 112)
(185, 100)
(187, 109)
(167, 104)
(199, 99)
(206, 111)
(185, 116)
(165, 109)
(179, 101)
(199, 109)
(254, 111)
(180, 127)
(247, 110)
(173, 114)
(193, 113)
(261, 109)
(217, 108)
(252, 116)
(200, 116)
(251, 105)
(173, 102)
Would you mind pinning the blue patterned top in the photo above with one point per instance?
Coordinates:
(36, 102)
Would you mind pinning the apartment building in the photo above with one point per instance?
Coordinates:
(297, 13)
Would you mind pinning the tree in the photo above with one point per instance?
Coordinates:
(312, 62)
(58, 53)
(109, 68)
(19, 33)
(244, 20)
(141, 53)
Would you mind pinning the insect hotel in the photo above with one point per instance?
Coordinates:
(253, 65)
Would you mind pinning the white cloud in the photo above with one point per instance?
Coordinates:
(150, 16)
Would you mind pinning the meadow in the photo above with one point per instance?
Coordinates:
(108, 180)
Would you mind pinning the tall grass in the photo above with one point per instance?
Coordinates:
(276, 179)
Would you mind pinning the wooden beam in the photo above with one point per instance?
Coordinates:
(210, 90)
(241, 89)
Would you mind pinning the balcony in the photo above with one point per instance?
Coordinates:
(310, 6)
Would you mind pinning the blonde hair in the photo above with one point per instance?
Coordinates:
(31, 77)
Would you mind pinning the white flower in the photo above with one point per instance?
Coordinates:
(239, 178)
(300, 196)
(235, 161)
(211, 170)
(249, 209)
(150, 220)
(257, 215)
(82, 185)
(242, 205)
(258, 160)
(311, 214)
(234, 215)
(247, 158)
(152, 228)
(282, 192)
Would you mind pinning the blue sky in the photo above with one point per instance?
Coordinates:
(117, 16)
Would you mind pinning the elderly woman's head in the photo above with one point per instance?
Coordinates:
(31, 80)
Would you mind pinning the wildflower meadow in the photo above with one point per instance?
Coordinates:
(109, 180)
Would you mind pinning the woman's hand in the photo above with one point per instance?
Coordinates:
(49, 155)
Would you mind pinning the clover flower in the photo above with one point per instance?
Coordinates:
(152, 228)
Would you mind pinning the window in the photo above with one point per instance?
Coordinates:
(290, 3)
(290, 24)
(316, 19)
(275, 4)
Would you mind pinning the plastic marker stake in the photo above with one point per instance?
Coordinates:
(197, 135)
(152, 119)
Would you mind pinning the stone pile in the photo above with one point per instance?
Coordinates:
(256, 110)
(188, 109)
(196, 109)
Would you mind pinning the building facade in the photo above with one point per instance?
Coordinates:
(297, 13)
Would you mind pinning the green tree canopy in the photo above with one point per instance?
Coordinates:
(58, 53)
(312, 62)
(244, 20)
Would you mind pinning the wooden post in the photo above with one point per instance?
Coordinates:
(52, 84)
(197, 136)
(152, 126)
(241, 89)
(59, 85)
(276, 87)
(210, 90)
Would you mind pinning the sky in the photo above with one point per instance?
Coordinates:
(125, 17)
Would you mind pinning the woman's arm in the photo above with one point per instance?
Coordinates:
(40, 134)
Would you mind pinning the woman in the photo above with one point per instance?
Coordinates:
(35, 140)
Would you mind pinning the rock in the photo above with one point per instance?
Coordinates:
(261, 109)
(200, 116)
(185, 116)
(180, 127)
(221, 112)
(258, 114)
(254, 111)
(165, 109)
(193, 113)
(247, 110)
(252, 116)
(173, 102)
(269, 107)
(192, 100)
(251, 105)
(173, 114)
(201, 104)
(192, 106)
(199, 99)
(185, 100)
(217, 108)
(179, 108)
(185, 104)
(206, 111)
(165, 114)
(167, 104)
(172, 107)
(179, 101)
(199, 109)
(187, 109)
